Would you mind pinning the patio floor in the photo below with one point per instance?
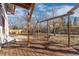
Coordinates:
(36, 49)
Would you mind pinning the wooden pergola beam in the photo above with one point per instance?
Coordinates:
(23, 5)
(74, 8)
(57, 17)
(70, 12)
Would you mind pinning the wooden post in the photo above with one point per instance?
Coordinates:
(54, 21)
(28, 23)
(54, 28)
(37, 29)
(48, 30)
(68, 28)
(75, 24)
(28, 28)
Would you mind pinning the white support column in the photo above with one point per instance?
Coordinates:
(6, 20)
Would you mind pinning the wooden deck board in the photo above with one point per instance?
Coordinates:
(38, 50)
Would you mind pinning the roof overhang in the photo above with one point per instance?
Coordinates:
(10, 7)
(23, 5)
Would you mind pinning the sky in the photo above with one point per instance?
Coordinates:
(41, 12)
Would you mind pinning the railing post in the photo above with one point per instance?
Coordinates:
(37, 29)
(54, 28)
(68, 28)
(48, 30)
